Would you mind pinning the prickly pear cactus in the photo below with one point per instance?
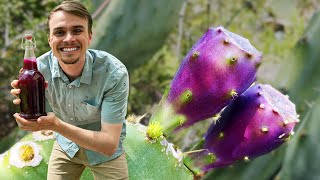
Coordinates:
(213, 80)
(28, 159)
(153, 159)
(295, 159)
(218, 68)
(257, 122)
(135, 23)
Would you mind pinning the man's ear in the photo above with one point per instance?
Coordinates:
(90, 37)
(48, 36)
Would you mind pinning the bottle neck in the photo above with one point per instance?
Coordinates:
(29, 60)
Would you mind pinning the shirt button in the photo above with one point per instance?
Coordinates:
(69, 105)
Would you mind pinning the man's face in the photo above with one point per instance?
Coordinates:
(69, 37)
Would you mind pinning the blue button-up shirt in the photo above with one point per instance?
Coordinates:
(98, 96)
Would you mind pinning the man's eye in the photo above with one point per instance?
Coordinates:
(77, 31)
(59, 33)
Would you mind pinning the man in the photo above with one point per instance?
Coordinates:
(87, 92)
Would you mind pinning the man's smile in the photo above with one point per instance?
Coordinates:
(69, 49)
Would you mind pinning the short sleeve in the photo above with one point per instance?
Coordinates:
(114, 104)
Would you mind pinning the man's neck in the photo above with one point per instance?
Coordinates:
(73, 71)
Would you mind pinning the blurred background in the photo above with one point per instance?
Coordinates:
(152, 38)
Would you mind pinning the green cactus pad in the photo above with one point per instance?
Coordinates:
(146, 159)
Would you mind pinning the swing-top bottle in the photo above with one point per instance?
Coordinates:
(31, 83)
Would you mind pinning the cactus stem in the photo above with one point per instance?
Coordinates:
(261, 106)
(175, 122)
(264, 129)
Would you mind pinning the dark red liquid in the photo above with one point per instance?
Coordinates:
(31, 83)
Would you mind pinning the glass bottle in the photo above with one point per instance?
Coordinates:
(31, 83)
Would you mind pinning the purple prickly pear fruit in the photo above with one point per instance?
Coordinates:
(257, 122)
(218, 67)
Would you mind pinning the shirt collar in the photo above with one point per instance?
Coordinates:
(86, 75)
(87, 69)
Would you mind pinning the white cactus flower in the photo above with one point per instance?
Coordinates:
(25, 154)
(42, 135)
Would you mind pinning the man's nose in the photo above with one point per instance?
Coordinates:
(69, 38)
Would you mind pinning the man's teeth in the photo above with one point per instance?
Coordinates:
(69, 49)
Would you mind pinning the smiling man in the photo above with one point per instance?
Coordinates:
(87, 93)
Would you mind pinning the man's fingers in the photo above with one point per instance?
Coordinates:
(19, 120)
(16, 101)
(23, 121)
(19, 124)
(21, 70)
(14, 84)
(46, 119)
(15, 92)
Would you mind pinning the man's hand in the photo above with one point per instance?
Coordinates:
(49, 122)
(23, 123)
(15, 91)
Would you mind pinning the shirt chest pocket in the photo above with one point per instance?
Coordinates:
(88, 113)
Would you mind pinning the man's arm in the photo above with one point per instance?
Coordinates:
(105, 141)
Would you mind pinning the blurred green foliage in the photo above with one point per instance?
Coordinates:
(149, 81)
